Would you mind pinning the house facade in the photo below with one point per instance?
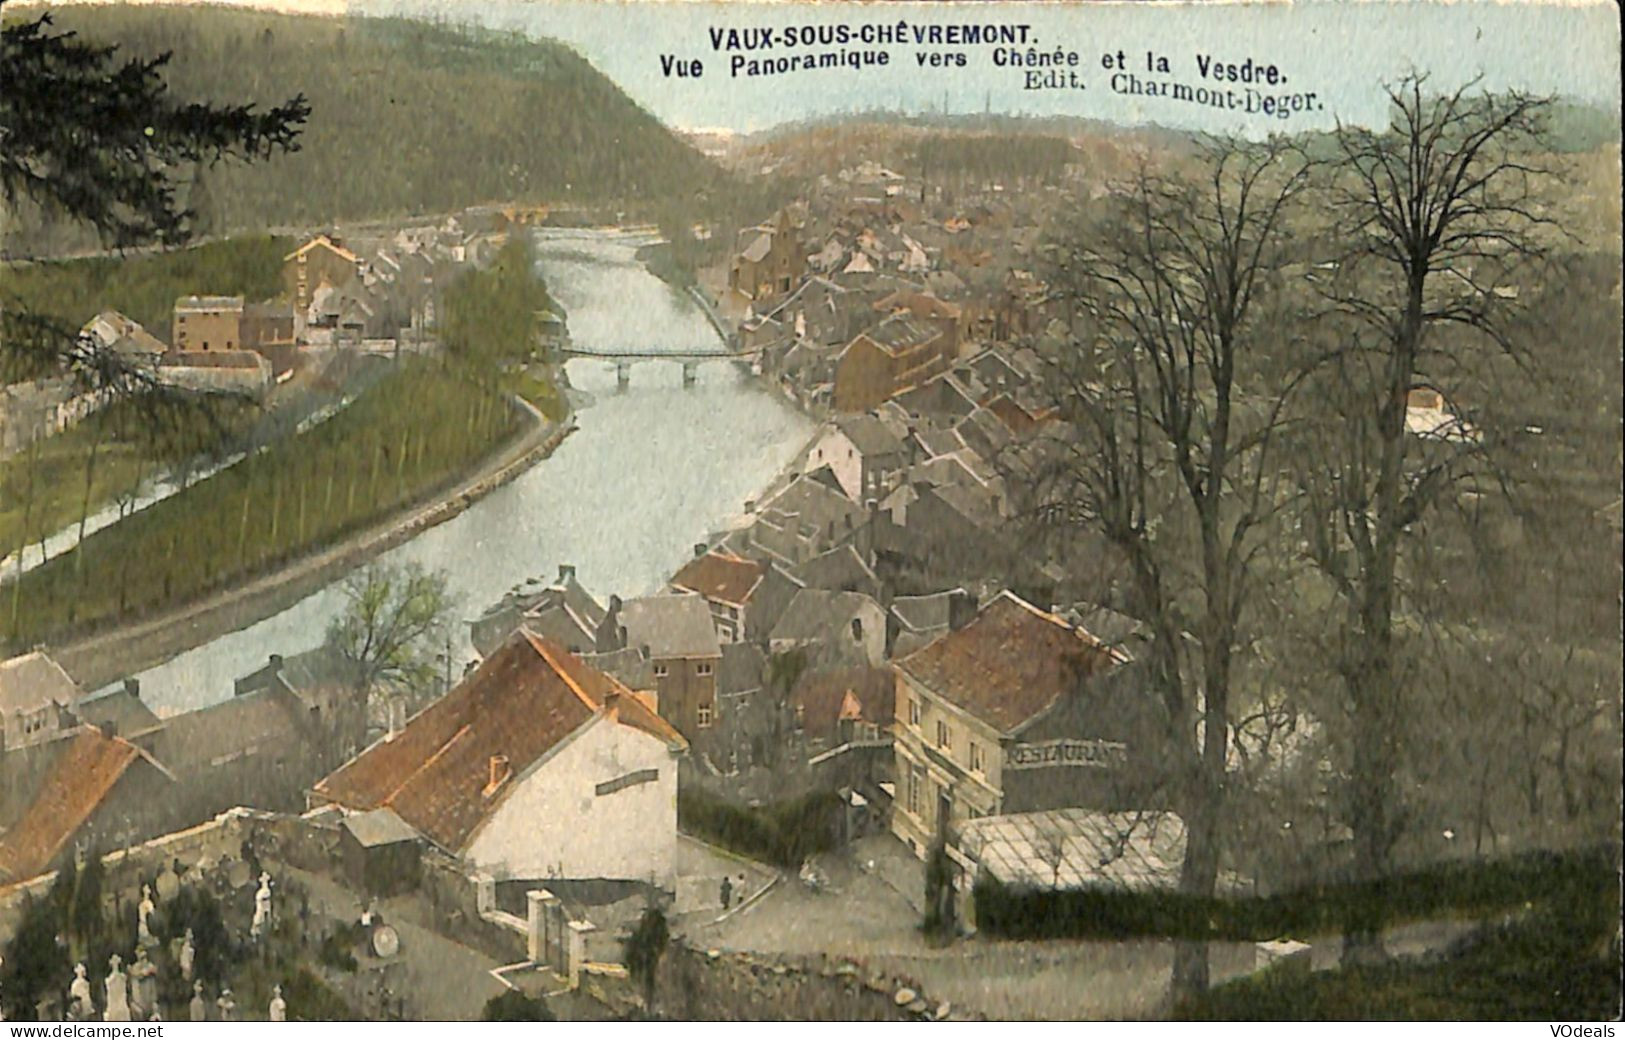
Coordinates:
(769, 260)
(891, 357)
(208, 323)
(321, 259)
(535, 766)
(674, 633)
(864, 455)
(1016, 711)
(38, 700)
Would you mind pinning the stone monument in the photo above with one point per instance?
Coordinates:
(118, 992)
(143, 917)
(199, 1010)
(279, 1008)
(227, 1006)
(80, 1008)
(262, 908)
(187, 956)
(143, 985)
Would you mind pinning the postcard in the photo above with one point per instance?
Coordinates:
(538, 510)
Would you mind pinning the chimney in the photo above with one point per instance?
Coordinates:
(132, 686)
(276, 662)
(396, 718)
(750, 505)
(700, 549)
(567, 573)
(961, 609)
(499, 774)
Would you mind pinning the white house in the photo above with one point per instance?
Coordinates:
(38, 700)
(862, 453)
(536, 766)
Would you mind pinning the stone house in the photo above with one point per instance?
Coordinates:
(536, 766)
(862, 453)
(38, 700)
(745, 596)
(321, 259)
(97, 791)
(563, 612)
(836, 627)
(1015, 712)
(675, 633)
(208, 323)
(769, 260)
(898, 353)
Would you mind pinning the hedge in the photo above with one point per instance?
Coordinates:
(783, 833)
(1472, 887)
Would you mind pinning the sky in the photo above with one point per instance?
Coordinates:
(1339, 51)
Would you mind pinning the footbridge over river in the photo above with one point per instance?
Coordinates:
(625, 359)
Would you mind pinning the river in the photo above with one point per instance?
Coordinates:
(649, 472)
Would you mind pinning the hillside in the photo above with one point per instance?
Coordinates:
(407, 116)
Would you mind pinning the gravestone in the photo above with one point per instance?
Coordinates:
(262, 909)
(198, 1009)
(143, 917)
(80, 1009)
(278, 1011)
(118, 992)
(188, 956)
(143, 985)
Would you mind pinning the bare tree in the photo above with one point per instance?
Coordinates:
(1434, 215)
(1170, 389)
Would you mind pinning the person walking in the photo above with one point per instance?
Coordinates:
(727, 891)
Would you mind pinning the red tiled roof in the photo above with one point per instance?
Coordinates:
(720, 576)
(523, 701)
(79, 780)
(1008, 664)
(824, 698)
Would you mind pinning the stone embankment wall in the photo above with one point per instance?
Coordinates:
(746, 987)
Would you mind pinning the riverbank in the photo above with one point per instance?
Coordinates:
(97, 660)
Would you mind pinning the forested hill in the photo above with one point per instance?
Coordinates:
(406, 116)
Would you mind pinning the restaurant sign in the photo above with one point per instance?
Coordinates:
(1101, 754)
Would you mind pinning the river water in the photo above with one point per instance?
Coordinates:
(649, 472)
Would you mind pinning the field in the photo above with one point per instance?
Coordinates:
(418, 428)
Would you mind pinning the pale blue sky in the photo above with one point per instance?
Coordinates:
(1340, 49)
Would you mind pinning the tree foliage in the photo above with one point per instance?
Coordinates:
(642, 950)
(99, 139)
(514, 1006)
(394, 622)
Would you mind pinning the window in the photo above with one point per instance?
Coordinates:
(703, 716)
(703, 668)
(914, 791)
(660, 671)
(976, 756)
(944, 738)
(914, 712)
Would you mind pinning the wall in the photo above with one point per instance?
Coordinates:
(834, 450)
(554, 824)
(735, 987)
(683, 689)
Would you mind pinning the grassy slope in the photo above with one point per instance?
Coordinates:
(145, 286)
(407, 116)
(421, 426)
